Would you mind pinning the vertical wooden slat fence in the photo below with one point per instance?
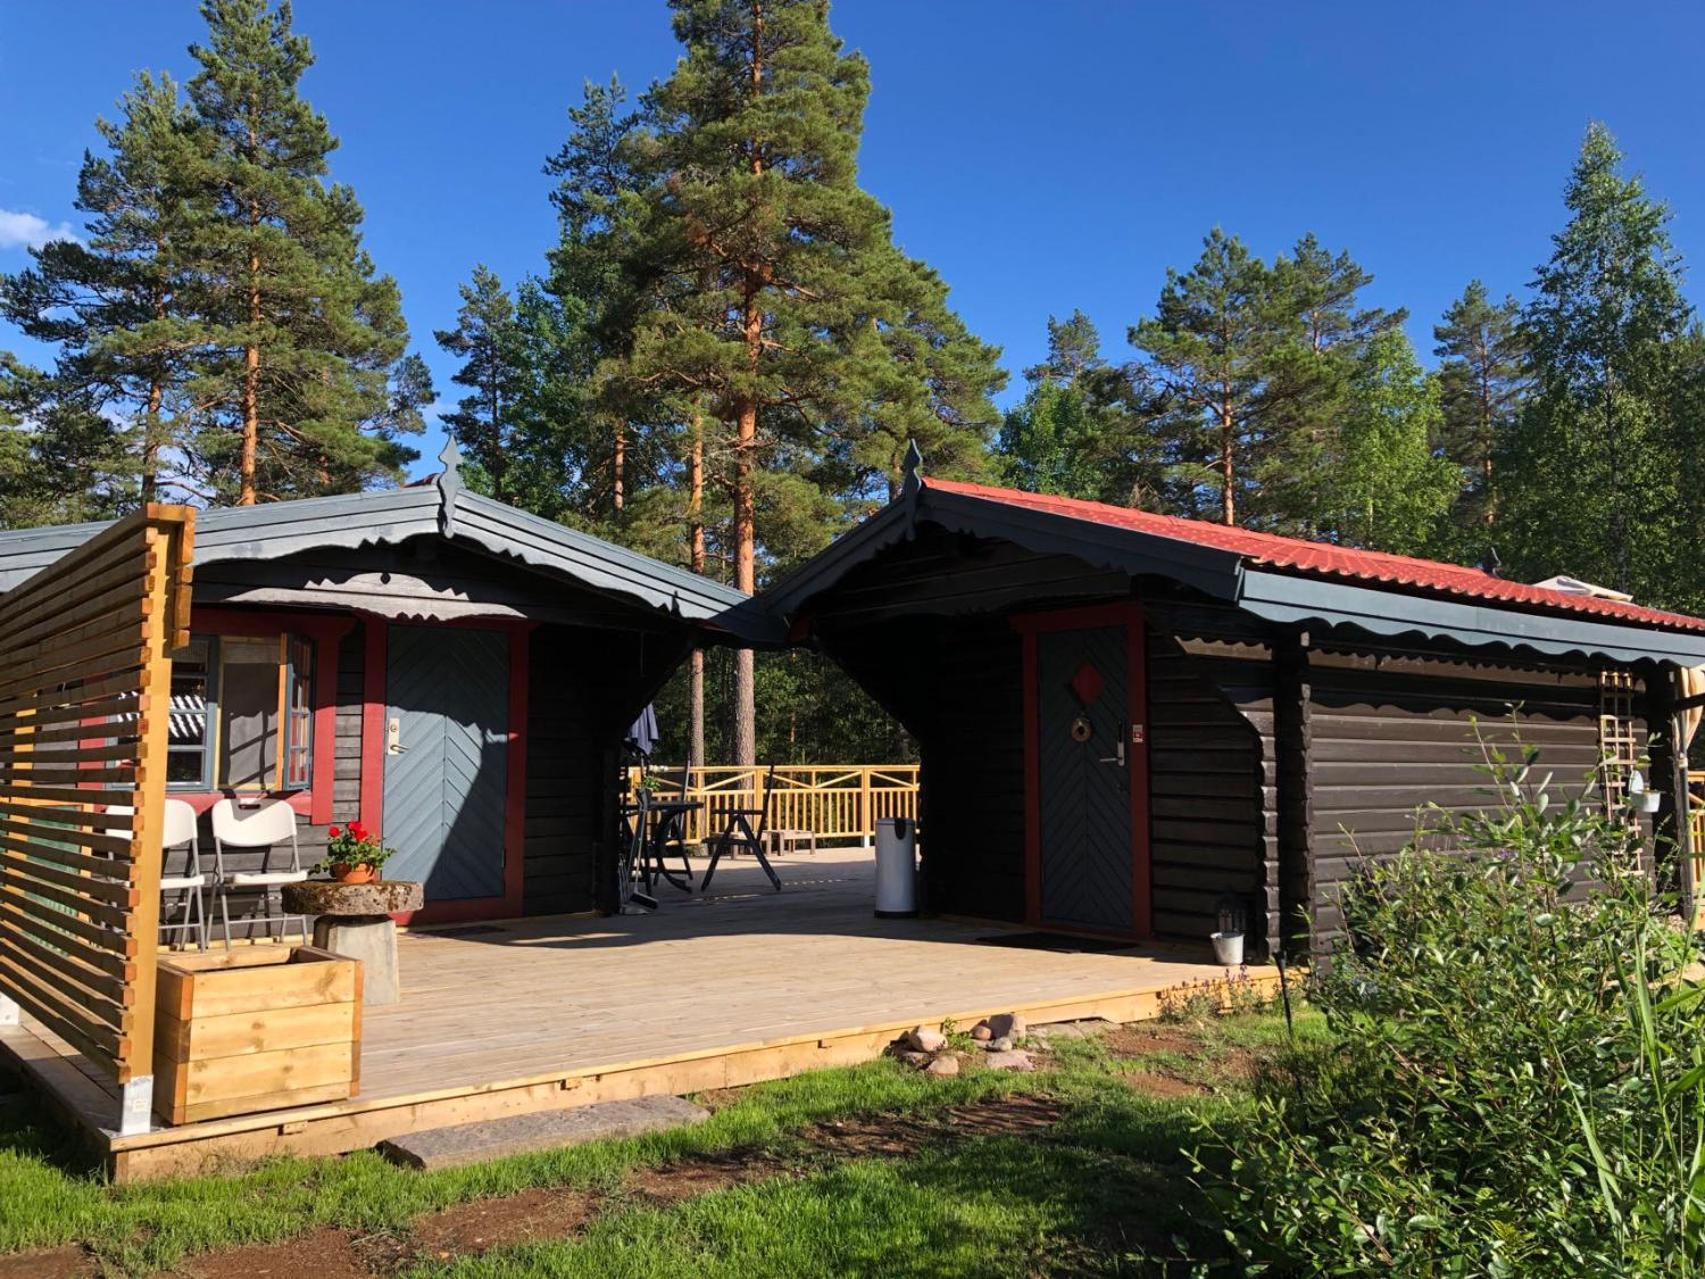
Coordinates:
(85, 692)
(837, 801)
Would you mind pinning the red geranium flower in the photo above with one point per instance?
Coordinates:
(333, 832)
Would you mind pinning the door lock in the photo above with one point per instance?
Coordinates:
(1118, 757)
(394, 737)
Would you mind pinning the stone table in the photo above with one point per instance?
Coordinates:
(354, 920)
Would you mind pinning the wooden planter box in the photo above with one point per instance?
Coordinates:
(256, 1028)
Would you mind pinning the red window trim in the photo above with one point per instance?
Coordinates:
(325, 630)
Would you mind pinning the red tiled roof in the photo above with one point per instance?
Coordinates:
(1320, 559)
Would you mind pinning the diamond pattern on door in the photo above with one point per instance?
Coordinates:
(1084, 792)
(446, 791)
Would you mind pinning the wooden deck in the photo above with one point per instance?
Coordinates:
(728, 989)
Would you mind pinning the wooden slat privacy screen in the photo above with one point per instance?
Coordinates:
(85, 691)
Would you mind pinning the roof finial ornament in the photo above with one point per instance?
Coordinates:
(449, 485)
(913, 469)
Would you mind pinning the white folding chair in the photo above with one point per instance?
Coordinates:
(180, 832)
(267, 828)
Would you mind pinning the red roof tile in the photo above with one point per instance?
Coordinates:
(1321, 559)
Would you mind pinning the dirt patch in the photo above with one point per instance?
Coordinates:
(1209, 1068)
(489, 1223)
(324, 1253)
(1144, 1038)
(55, 1263)
(1156, 1083)
(671, 1183)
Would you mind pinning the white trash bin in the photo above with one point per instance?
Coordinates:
(896, 868)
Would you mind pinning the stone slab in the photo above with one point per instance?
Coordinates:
(550, 1130)
(329, 897)
(1088, 1029)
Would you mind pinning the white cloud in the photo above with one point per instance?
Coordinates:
(28, 229)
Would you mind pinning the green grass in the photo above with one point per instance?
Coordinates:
(985, 1205)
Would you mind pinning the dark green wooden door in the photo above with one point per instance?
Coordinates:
(1084, 783)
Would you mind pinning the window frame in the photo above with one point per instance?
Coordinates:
(203, 780)
(296, 665)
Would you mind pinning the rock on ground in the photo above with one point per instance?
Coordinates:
(925, 1040)
(1007, 1026)
(1012, 1059)
(943, 1067)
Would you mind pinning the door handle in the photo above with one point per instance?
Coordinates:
(1119, 749)
(394, 737)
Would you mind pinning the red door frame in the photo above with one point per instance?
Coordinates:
(375, 701)
(1128, 614)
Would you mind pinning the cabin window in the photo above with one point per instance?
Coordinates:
(242, 714)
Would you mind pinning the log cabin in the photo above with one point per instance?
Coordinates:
(454, 673)
(1136, 725)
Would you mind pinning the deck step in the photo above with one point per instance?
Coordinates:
(547, 1130)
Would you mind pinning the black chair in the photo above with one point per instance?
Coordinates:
(669, 836)
(740, 835)
(633, 886)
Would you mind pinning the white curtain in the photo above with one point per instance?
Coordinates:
(1691, 680)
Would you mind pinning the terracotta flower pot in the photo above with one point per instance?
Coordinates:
(357, 873)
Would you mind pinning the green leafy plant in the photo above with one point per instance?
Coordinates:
(1516, 1079)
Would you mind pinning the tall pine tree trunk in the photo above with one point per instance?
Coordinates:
(1490, 514)
(151, 442)
(745, 559)
(251, 373)
(618, 466)
(695, 514)
(1228, 474)
(498, 461)
(745, 441)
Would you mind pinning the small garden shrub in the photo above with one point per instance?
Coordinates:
(1516, 1079)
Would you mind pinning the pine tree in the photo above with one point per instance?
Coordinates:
(1321, 334)
(61, 460)
(1388, 489)
(1071, 434)
(1592, 465)
(778, 306)
(487, 340)
(1208, 353)
(300, 334)
(1482, 380)
(115, 301)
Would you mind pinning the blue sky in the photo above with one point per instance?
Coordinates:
(1042, 156)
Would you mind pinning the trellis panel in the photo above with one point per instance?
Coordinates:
(85, 695)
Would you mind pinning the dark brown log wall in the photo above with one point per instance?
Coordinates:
(1212, 770)
(1390, 730)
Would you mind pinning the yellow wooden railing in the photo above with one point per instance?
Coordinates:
(834, 801)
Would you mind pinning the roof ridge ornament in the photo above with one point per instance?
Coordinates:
(912, 467)
(912, 486)
(449, 486)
